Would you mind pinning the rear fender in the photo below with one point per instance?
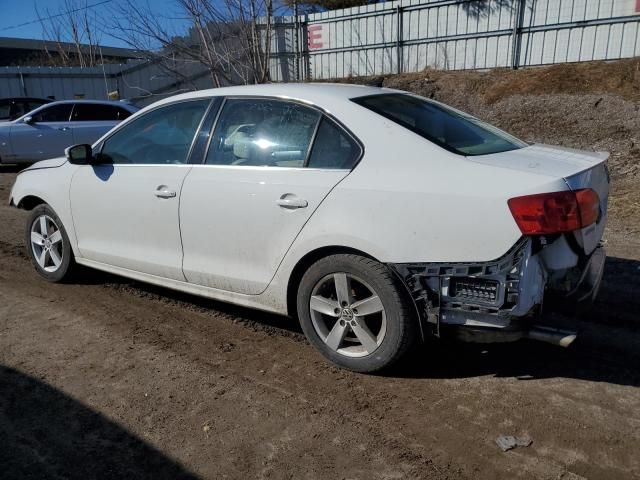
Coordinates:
(596, 178)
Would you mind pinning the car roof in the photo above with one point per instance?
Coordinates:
(48, 100)
(125, 105)
(316, 93)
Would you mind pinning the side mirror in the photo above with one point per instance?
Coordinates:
(79, 154)
(28, 119)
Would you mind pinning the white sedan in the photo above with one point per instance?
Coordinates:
(374, 216)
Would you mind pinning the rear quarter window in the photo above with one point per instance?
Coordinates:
(333, 148)
(446, 127)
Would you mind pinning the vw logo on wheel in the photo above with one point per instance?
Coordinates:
(347, 313)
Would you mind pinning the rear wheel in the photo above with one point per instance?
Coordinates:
(352, 309)
(48, 245)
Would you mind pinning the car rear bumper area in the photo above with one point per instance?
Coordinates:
(502, 300)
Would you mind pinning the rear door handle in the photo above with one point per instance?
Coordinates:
(291, 201)
(64, 129)
(164, 192)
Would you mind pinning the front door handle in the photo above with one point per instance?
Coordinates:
(64, 129)
(291, 201)
(164, 192)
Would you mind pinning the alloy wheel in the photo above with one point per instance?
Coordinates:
(46, 243)
(348, 314)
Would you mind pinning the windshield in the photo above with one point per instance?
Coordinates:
(451, 129)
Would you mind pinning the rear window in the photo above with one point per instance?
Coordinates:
(446, 127)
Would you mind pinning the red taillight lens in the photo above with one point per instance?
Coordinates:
(555, 212)
(589, 205)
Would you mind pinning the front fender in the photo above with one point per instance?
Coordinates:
(51, 185)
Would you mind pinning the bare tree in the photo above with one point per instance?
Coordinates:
(231, 38)
(73, 32)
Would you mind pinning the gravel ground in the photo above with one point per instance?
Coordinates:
(108, 378)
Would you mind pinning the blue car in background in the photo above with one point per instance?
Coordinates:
(46, 131)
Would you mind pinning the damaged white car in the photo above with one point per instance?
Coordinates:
(376, 217)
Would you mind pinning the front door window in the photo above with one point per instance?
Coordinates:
(161, 136)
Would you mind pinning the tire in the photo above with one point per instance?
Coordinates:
(365, 340)
(59, 264)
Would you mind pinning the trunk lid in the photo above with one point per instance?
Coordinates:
(578, 168)
(544, 160)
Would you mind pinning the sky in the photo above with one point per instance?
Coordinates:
(18, 18)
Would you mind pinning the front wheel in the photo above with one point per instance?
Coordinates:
(48, 245)
(354, 311)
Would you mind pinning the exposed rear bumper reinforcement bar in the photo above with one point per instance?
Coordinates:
(501, 300)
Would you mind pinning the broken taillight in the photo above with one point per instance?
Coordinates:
(555, 212)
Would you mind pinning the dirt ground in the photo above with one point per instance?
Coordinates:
(109, 378)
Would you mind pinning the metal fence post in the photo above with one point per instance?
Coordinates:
(304, 48)
(296, 38)
(399, 27)
(517, 33)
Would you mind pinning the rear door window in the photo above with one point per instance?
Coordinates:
(444, 126)
(262, 132)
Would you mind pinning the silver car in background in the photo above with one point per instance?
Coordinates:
(15, 107)
(46, 131)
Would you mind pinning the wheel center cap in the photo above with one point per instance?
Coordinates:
(347, 313)
(47, 243)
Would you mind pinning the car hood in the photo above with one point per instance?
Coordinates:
(544, 160)
(50, 163)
